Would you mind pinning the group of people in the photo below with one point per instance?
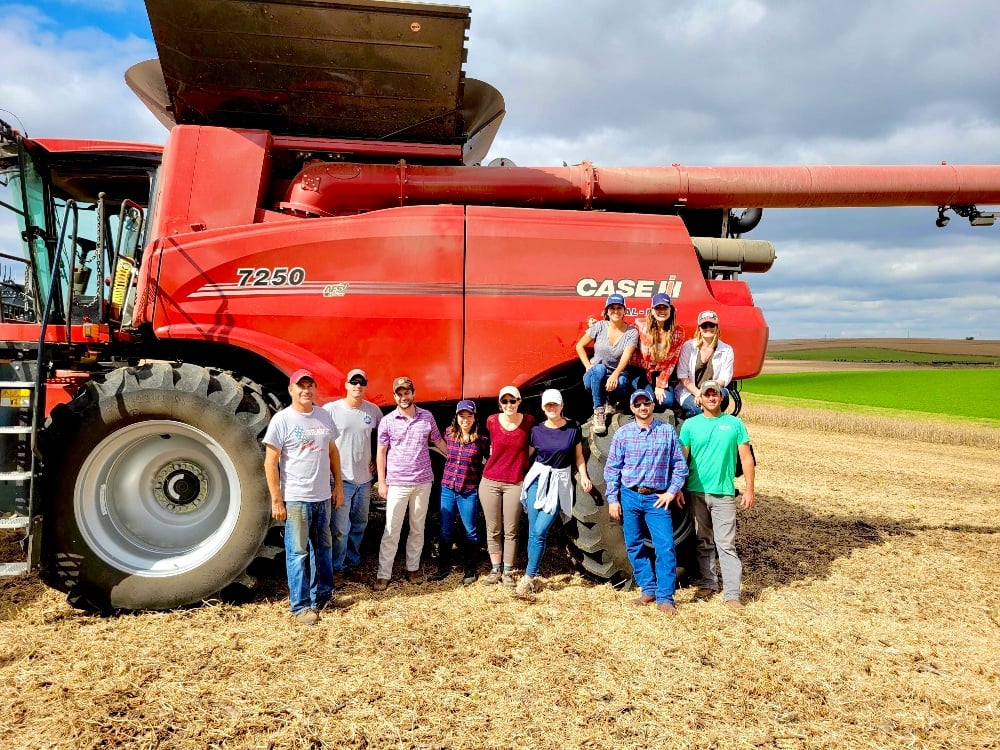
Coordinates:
(628, 358)
(319, 470)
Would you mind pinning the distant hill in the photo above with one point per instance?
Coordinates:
(954, 347)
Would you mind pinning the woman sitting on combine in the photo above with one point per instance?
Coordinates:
(614, 342)
(660, 342)
(705, 357)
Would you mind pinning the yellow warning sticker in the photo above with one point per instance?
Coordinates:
(15, 398)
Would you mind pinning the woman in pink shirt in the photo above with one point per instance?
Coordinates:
(500, 490)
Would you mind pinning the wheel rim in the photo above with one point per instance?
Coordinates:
(157, 498)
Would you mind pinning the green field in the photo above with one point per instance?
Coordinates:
(971, 393)
(872, 354)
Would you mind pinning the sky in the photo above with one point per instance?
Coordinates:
(705, 82)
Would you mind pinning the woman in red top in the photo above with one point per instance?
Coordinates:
(660, 341)
(500, 490)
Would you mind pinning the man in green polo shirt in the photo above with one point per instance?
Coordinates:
(712, 442)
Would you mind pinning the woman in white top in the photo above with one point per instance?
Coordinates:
(705, 357)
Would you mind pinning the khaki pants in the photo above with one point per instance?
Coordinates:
(502, 508)
(397, 501)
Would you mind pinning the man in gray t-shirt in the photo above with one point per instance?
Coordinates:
(356, 421)
(302, 467)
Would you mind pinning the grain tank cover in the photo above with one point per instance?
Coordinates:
(348, 69)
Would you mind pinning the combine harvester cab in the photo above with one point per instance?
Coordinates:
(319, 204)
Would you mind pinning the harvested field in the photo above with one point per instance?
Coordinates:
(957, 347)
(873, 621)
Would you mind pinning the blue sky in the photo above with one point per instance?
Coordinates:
(648, 83)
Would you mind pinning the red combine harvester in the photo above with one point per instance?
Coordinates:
(319, 204)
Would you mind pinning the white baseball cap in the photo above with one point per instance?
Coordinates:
(551, 396)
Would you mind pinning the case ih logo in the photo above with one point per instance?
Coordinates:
(629, 287)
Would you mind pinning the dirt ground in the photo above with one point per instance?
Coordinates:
(872, 621)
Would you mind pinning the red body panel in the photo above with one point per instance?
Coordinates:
(381, 291)
(534, 277)
(403, 291)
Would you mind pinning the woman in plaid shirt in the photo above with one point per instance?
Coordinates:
(463, 468)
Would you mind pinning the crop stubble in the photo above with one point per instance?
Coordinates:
(872, 621)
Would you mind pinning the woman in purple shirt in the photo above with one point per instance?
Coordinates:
(548, 486)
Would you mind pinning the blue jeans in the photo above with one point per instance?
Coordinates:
(641, 383)
(466, 506)
(539, 524)
(639, 515)
(691, 410)
(594, 379)
(349, 523)
(308, 558)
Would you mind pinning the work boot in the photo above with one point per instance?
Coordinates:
(470, 553)
(444, 563)
(598, 427)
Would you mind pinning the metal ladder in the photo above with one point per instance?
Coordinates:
(18, 415)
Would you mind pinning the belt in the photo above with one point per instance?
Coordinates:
(647, 490)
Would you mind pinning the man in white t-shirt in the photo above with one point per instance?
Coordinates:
(301, 463)
(356, 421)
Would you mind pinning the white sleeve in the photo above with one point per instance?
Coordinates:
(724, 368)
(684, 362)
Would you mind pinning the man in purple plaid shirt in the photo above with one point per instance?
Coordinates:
(644, 473)
(405, 477)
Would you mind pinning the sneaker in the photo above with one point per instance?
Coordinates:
(703, 594)
(493, 578)
(381, 584)
(734, 605)
(598, 427)
(338, 580)
(470, 577)
(667, 608)
(307, 617)
(508, 579)
(415, 577)
(525, 587)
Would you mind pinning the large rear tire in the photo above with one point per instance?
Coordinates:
(155, 487)
(596, 541)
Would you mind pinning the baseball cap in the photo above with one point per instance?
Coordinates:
(355, 371)
(711, 385)
(636, 396)
(296, 376)
(552, 396)
(661, 299)
(466, 405)
(509, 390)
(707, 316)
(614, 299)
(402, 382)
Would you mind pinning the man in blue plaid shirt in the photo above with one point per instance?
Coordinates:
(644, 474)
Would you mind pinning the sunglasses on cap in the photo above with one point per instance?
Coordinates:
(357, 380)
(709, 325)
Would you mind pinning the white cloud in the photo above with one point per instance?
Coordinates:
(706, 82)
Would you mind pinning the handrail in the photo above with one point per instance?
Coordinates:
(38, 404)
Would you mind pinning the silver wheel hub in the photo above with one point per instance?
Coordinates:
(157, 498)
